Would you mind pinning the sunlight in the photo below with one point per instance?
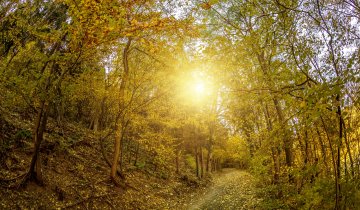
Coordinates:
(195, 87)
(199, 88)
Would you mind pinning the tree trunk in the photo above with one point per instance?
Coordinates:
(338, 165)
(330, 145)
(214, 165)
(219, 164)
(197, 162)
(208, 161)
(116, 157)
(306, 147)
(119, 130)
(35, 172)
(96, 123)
(136, 153)
(122, 149)
(275, 156)
(274, 150)
(177, 161)
(286, 140)
(323, 149)
(201, 163)
(209, 146)
(131, 153)
(348, 148)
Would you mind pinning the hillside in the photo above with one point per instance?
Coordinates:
(76, 176)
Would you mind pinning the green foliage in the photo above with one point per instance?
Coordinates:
(23, 134)
(140, 164)
(190, 161)
(260, 165)
(317, 195)
(288, 87)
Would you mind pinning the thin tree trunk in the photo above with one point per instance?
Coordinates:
(275, 151)
(275, 156)
(348, 148)
(119, 131)
(219, 164)
(286, 140)
(136, 154)
(209, 146)
(177, 161)
(35, 172)
(130, 152)
(197, 162)
(306, 147)
(212, 165)
(330, 145)
(215, 165)
(338, 175)
(323, 149)
(116, 157)
(208, 161)
(96, 123)
(201, 163)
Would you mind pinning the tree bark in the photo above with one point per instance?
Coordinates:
(201, 163)
(177, 161)
(136, 153)
(119, 130)
(208, 161)
(286, 140)
(274, 150)
(214, 165)
(275, 156)
(197, 162)
(323, 149)
(338, 165)
(35, 172)
(348, 148)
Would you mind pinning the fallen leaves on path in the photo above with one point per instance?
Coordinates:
(232, 189)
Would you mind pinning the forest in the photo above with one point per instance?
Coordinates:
(151, 104)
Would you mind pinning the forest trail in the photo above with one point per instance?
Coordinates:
(232, 189)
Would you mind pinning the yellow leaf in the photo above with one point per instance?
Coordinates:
(302, 104)
(212, 2)
(206, 6)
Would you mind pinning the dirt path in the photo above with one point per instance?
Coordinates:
(232, 189)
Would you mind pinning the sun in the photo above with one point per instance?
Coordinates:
(199, 87)
(194, 88)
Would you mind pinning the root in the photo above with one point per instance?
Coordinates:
(20, 181)
(15, 182)
(118, 183)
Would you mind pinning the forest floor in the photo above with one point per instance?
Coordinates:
(76, 177)
(232, 189)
